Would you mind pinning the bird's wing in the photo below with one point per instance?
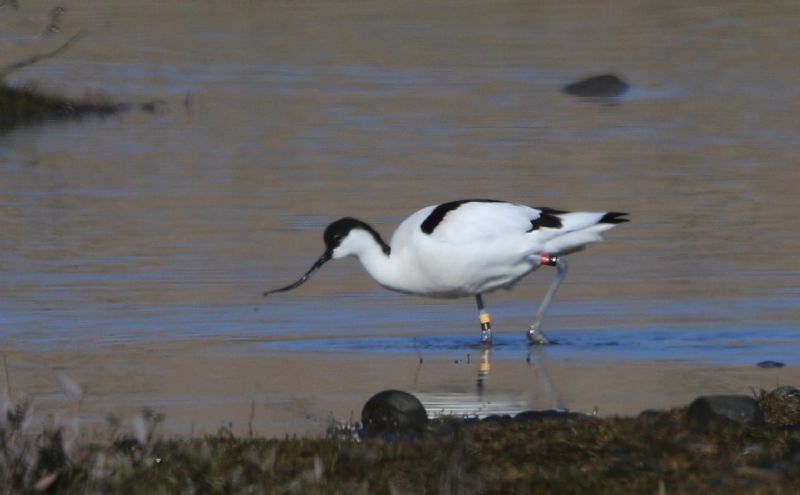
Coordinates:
(554, 231)
(576, 230)
(478, 220)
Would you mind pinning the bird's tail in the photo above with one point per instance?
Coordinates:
(561, 232)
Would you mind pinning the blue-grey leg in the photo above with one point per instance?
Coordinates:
(535, 335)
(486, 322)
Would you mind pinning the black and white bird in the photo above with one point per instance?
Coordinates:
(467, 248)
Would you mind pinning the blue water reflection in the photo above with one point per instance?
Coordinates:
(722, 347)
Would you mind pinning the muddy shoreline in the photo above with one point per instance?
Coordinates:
(201, 385)
(655, 452)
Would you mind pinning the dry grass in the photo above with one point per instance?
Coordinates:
(655, 453)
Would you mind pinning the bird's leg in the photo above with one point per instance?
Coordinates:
(535, 335)
(486, 321)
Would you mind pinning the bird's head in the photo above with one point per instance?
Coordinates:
(348, 236)
(344, 237)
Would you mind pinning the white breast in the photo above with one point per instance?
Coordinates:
(477, 248)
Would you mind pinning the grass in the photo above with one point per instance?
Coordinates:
(26, 105)
(19, 106)
(652, 454)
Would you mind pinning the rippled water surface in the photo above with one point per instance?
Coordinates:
(279, 117)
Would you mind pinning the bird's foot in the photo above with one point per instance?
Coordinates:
(535, 334)
(486, 329)
(486, 336)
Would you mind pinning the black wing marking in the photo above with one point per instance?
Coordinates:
(438, 213)
(548, 218)
(614, 217)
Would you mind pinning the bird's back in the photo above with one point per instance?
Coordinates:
(473, 246)
(465, 222)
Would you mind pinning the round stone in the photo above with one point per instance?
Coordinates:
(393, 412)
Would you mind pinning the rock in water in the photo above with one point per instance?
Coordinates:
(604, 86)
(393, 412)
(709, 409)
(770, 364)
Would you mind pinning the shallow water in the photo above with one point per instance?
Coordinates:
(280, 117)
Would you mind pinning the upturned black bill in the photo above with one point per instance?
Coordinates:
(326, 256)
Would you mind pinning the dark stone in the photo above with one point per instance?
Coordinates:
(741, 409)
(770, 364)
(785, 392)
(549, 414)
(604, 86)
(393, 412)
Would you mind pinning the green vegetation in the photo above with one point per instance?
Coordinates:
(25, 105)
(19, 106)
(655, 453)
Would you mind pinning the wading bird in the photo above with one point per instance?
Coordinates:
(467, 248)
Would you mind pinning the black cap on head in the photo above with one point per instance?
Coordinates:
(338, 230)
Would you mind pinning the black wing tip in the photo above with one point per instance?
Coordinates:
(546, 220)
(614, 217)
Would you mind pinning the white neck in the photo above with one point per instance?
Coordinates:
(370, 253)
(379, 265)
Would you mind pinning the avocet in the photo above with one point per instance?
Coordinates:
(467, 248)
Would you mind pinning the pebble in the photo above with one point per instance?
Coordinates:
(603, 86)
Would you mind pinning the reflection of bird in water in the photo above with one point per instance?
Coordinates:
(484, 367)
(485, 400)
(533, 359)
(467, 248)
